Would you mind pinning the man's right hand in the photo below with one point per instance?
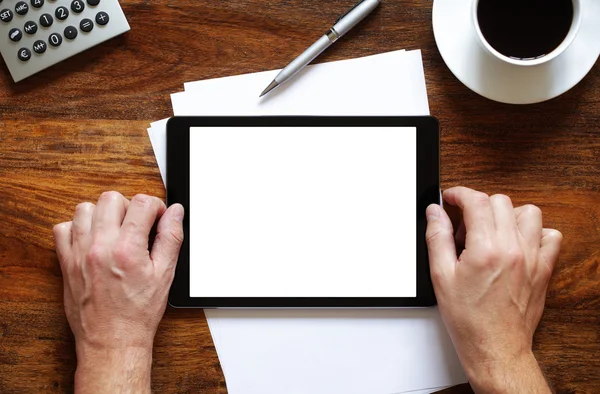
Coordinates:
(491, 296)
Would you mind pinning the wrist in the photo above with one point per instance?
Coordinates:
(110, 370)
(505, 375)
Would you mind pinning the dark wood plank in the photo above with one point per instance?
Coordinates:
(73, 131)
(46, 169)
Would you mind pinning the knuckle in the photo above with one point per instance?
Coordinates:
(170, 241)
(555, 236)
(433, 234)
(122, 253)
(177, 236)
(110, 196)
(160, 203)
(490, 254)
(95, 255)
(133, 226)
(84, 207)
(481, 198)
(60, 228)
(140, 199)
(532, 209)
(501, 198)
(156, 204)
(515, 257)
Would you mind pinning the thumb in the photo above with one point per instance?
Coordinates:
(550, 246)
(440, 243)
(169, 237)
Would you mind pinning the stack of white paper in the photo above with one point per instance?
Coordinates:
(324, 351)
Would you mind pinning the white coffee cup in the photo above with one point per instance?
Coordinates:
(575, 25)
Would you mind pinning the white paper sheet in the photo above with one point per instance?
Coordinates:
(334, 351)
(158, 138)
(426, 391)
(391, 83)
(324, 351)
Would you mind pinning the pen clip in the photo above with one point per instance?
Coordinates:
(347, 12)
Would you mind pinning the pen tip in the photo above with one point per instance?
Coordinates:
(271, 86)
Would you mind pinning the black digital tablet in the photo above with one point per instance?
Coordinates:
(303, 212)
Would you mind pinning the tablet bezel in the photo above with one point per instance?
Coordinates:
(428, 192)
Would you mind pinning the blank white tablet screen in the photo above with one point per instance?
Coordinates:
(303, 212)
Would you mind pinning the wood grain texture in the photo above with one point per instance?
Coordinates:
(77, 129)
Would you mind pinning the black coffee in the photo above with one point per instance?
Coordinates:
(525, 29)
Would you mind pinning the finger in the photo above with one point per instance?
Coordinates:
(440, 243)
(62, 240)
(477, 212)
(82, 224)
(109, 213)
(549, 250)
(529, 222)
(141, 215)
(63, 243)
(505, 220)
(169, 237)
(550, 247)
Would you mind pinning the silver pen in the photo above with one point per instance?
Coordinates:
(341, 27)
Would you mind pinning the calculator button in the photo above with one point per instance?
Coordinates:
(46, 20)
(77, 6)
(71, 32)
(86, 25)
(37, 3)
(21, 8)
(61, 13)
(15, 35)
(93, 2)
(24, 54)
(55, 39)
(102, 18)
(6, 15)
(39, 46)
(30, 27)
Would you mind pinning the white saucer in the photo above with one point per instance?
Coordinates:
(488, 76)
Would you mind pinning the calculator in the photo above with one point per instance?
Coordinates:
(35, 34)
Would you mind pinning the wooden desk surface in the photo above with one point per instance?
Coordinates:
(79, 128)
